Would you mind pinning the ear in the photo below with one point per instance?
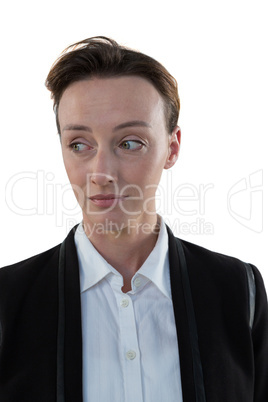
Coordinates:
(174, 147)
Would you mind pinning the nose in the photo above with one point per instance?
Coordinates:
(103, 169)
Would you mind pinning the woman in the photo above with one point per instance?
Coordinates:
(122, 310)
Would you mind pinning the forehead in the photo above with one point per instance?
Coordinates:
(118, 98)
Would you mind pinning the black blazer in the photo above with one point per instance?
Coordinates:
(233, 357)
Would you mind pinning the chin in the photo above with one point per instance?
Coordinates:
(110, 221)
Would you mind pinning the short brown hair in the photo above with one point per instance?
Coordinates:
(100, 56)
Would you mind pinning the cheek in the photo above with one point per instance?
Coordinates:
(146, 177)
(153, 167)
(76, 173)
(77, 179)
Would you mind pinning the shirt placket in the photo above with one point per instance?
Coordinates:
(130, 352)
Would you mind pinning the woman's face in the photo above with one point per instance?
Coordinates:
(115, 147)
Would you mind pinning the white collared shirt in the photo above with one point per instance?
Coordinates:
(130, 348)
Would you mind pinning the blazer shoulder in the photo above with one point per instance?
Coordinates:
(209, 258)
(37, 261)
(212, 265)
(30, 265)
(37, 268)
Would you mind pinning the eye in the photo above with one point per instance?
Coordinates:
(131, 145)
(78, 147)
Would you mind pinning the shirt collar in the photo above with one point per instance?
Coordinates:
(156, 266)
(93, 267)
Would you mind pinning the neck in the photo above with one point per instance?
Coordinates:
(125, 249)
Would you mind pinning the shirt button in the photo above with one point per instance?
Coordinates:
(124, 303)
(137, 282)
(131, 355)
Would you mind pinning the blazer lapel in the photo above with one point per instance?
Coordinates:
(190, 363)
(73, 330)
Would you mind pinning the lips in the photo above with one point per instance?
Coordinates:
(105, 197)
(106, 200)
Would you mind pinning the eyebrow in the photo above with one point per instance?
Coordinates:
(132, 123)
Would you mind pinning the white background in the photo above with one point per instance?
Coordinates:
(218, 53)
